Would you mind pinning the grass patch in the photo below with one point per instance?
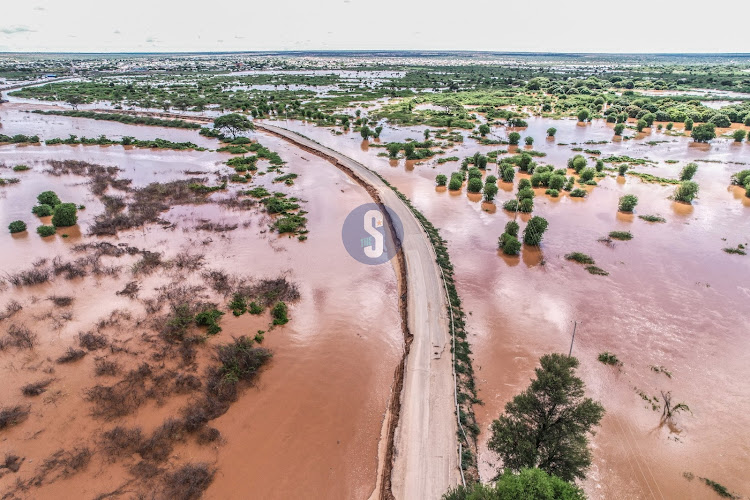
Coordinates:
(621, 235)
(608, 358)
(597, 271)
(652, 218)
(579, 257)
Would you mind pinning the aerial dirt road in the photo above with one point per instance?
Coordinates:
(425, 461)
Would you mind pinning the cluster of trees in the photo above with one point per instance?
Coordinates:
(63, 214)
(704, 132)
(542, 438)
(686, 191)
(532, 235)
(742, 178)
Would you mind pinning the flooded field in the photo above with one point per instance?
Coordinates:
(304, 427)
(673, 299)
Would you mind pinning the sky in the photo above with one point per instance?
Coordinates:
(250, 25)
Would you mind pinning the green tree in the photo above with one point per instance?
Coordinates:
(587, 174)
(640, 125)
(577, 163)
(738, 135)
(441, 180)
(556, 181)
(74, 100)
(17, 226)
(512, 227)
(619, 127)
(534, 231)
(474, 185)
(704, 132)
(426, 134)
(45, 230)
(513, 138)
(393, 149)
(529, 484)
(484, 129)
(528, 140)
(688, 171)
(670, 125)
(378, 130)
(409, 150)
(627, 203)
(547, 425)
(455, 183)
(508, 173)
(551, 132)
(583, 115)
(490, 191)
(48, 198)
(64, 215)
(622, 169)
(233, 123)
(720, 120)
(688, 124)
(365, 132)
(686, 191)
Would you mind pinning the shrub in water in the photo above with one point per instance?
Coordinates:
(628, 202)
(45, 230)
(686, 191)
(17, 226)
(688, 172)
(534, 231)
(279, 314)
(64, 215)
(474, 185)
(42, 210)
(48, 198)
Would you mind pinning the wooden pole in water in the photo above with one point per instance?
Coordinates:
(575, 324)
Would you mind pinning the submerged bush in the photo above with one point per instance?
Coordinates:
(534, 231)
(609, 359)
(509, 244)
(628, 203)
(17, 226)
(279, 314)
(512, 228)
(441, 180)
(42, 210)
(578, 193)
(579, 257)
(652, 218)
(45, 230)
(688, 172)
(621, 235)
(64, 215)
(48, 198)
(474, 185)
(686, 191)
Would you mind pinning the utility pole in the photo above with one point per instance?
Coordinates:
(575, 324)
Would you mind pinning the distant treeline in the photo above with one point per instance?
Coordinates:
(19, 138)
(103, 140)
(128, 119)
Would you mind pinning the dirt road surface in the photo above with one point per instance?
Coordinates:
(425, 461)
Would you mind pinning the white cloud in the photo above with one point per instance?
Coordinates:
(187, 26)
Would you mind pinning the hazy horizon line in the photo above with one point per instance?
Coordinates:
(385, 51)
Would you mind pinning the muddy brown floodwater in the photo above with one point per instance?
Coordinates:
(309, 427)
(673, 299)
